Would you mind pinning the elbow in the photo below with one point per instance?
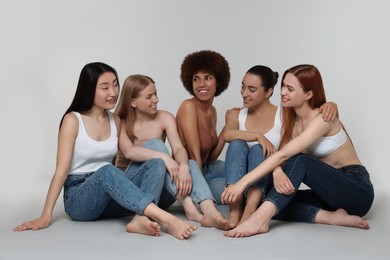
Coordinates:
(227, 136)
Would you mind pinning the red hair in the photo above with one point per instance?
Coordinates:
(310, 79)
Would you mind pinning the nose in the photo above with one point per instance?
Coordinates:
(282, 91)
(245, 93)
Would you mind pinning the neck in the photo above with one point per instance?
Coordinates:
(264, 107)
(203, 105)
(144, 117)
(96, 112)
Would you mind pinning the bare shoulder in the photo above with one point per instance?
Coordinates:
(235, 111)
(70, 119)
(186, 107)
(70, 124)
(165, 116)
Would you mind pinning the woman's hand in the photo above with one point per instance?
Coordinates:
(282, 183)
(172, 166)
(35, 224)
(183, 181)
(329, 111)
(268, 147)
(231, 192)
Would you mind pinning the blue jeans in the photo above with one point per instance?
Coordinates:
(108, 192)
(215, 177)
(349, 188)
(240, 159)
(200, 189)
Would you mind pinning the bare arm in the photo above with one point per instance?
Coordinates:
(187, 125)
(316, 129)
(141, 154)
(232, 132)
(66, 139)
(216, 151)
(183, 179)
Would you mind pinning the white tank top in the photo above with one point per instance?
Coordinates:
(88, 154)
(273, 135)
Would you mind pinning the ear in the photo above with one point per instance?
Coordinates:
(269, 93)
(309, 95)
(133, 103)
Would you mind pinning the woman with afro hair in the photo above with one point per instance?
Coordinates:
(205, 75)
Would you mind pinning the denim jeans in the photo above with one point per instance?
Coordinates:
(240, 159)
(200, 189)
(349, 188)
(215, 177)
(108, 192)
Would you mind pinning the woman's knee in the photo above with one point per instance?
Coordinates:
(238, 144)
(157, 145)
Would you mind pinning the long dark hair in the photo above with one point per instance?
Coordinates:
(86, 87)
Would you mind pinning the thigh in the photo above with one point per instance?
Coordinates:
(336, 187)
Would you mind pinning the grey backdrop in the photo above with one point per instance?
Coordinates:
(44, 44)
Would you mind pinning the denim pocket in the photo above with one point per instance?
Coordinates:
(75, 180)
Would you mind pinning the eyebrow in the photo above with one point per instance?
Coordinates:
(106, 83)
(249, 86)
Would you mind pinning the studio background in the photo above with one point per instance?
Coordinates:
(44, 45)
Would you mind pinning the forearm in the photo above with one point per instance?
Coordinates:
(53, 193)
(181, 157)
(266, 167)
(141, 154)
(247, 136)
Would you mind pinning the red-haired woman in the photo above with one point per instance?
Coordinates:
(314, 152)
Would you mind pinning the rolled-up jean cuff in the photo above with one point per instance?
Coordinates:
(273, 202)
(143, 203)
(257, 187)
(315, 212)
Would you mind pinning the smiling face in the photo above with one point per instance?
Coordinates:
(107, 89)
(252, 91)
(292, 93)
(204, 85)
(147, 100)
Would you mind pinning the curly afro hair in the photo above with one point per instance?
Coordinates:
(205, 61)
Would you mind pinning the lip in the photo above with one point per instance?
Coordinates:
(284, 99)
(111, 101)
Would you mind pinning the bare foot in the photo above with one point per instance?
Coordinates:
(191, 211)
(250, 227)
(235, 214)
(211, 216)
(178, 228)
(257, 223)
(341, 218)
(143, 225)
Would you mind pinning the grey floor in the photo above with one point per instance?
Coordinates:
(107, 239)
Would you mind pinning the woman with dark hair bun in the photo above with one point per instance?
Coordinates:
(312, 151)
(254, 133)
(205, 75)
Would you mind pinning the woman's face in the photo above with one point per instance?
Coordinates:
(204, 85)
(147, 100)
(252, 91)
(292, 94)
(107, 89)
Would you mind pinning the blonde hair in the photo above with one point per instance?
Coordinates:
(131, 89)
